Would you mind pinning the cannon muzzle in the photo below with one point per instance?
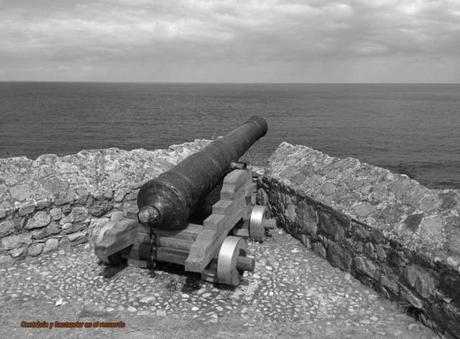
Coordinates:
(167, 201)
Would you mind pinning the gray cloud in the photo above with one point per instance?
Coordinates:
(203, 40)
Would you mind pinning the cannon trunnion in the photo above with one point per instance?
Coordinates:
(166, 229)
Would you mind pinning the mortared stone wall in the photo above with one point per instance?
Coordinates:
(387, 230)
(54, 202)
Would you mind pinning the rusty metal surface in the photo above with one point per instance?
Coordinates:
(167, 201)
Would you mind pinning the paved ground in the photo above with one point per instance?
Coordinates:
(292, 293)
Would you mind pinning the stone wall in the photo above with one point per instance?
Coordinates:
(54, 202)
(387, 230)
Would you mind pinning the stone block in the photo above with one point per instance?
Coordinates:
(377, 236)
(413, 221)
(338, 256)
(363, 210)
(418, 278)
(17, 252)
(35, 249)
(447, 317)
(430, 202)
(21, 192)
(360, 232)
(390, 282)
(6, 261)
(366, 266)
(391, 214)
(108, 194)
(77, 214)
(431, 228)
(98, 222)
(64, 197)
(16, 240)
(52, 229)
(43, 203)
(6, 228)
(66, 209)
(40, 219)
(355, 247)
(369, 250)
(116, 216)
(290, 213)
(120, 194)
(26, 209)
(319, 249)
(132, 195)
(307, 218)
(332, 225)
(305, 240)
(448, 200)
(81, 196)
(56, 213)
(450, 285)
(50, 245)
(408, 296)
(76, 236)
(380, 251)
(397, 259)
(100, 207)
(328, 188)
(73, 227)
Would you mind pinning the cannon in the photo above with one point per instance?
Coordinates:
(197, 214)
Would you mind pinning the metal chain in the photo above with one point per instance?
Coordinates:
(153, 252)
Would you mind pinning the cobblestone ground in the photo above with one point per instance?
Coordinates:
(292, 293)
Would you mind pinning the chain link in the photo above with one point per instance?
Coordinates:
(153, 253)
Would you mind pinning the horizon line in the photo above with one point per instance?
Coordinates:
(229, 82)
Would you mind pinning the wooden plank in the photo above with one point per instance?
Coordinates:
(227, 191)
(119, 235)
(236, 178)
(241, 232)
(208, 243)
(196, 258)
(171, 242)
(137, 263)
(213, 221)
(233, 182)
(221, 207)
(189, 233)
(170, 255)
(217, 226)
(251, 188)
(227, 195)
(218, 221)
(248, 211)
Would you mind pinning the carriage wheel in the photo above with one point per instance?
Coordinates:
(227, 261)
(256, 223)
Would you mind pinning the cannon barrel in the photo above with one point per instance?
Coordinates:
(167, 201)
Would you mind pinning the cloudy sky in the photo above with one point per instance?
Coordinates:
(234, 41)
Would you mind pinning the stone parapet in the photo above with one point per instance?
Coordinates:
(387, 230)
(53, 202)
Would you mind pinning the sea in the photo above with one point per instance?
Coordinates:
(407, 128)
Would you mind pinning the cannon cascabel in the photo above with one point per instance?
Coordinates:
(167, 201)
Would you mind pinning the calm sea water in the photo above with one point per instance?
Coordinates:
(409, 128)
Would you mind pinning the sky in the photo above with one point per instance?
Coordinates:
(306, 41)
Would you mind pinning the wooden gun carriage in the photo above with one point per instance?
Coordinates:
(198, 214)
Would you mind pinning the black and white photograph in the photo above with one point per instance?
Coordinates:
(230, 169)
